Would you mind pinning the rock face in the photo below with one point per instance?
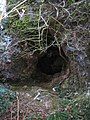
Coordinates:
(37, 67)
(16, 65)
(53, 64)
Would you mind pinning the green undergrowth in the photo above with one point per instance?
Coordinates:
(75, 109)
(70, 109)
(6, 99)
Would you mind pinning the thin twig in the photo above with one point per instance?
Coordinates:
(18, 108)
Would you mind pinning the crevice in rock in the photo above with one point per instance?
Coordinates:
(52, 61)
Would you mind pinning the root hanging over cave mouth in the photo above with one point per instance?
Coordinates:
(51, 62)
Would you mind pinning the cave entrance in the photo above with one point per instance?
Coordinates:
(51, 62)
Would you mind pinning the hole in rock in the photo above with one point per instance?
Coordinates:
(51, 62)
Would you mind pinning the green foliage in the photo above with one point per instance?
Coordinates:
(12, 1)
(26, 26)
(73, 109)
(58, 116)
(6, 98)
(71, 1)
(22, 27)
(70, 109)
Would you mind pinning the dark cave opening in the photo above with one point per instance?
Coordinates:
(51, 62)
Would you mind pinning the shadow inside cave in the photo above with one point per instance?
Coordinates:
(52, 61)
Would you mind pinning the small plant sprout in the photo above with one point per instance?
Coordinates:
(21, 13)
